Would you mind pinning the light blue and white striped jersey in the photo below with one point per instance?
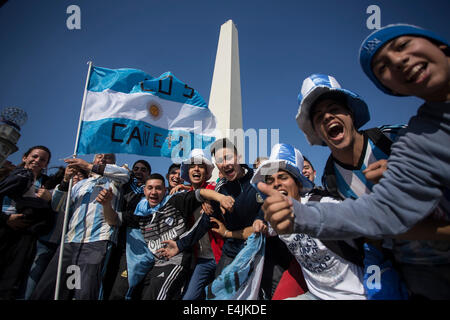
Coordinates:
(351, 182)
(87, 223)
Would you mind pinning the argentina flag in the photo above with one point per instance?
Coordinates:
(241, 279)
(129, 111)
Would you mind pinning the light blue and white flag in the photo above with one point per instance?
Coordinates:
(129, 111)
(241, 279)
(140, 259)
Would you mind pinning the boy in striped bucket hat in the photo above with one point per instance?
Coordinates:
(329, 273)
(332, 116)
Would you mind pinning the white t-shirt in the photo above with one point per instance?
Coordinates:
(327, 275)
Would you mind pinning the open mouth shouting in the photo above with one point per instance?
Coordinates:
(335, 131)
(153, 199)
(196, 175)
(229, 172)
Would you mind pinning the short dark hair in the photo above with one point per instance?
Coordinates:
(173, 166)
(156, 176)
(145, 163)
(222, 144)
(310, 163)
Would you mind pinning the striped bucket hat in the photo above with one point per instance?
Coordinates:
(283, 157)
(313, 87)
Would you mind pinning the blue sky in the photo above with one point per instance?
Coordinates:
(43, 64)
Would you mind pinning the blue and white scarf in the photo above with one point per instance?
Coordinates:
(134, 186)
(139, 257)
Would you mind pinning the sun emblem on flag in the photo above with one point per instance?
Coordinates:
(155, 110)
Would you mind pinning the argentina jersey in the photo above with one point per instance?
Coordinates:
(351, 181)
(87, 223)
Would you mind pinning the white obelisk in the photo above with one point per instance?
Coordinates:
(225, 96)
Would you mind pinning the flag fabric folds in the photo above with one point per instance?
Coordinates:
(241, 279)
(129, 111)
(139, 259)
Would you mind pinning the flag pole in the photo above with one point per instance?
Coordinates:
(63, 234)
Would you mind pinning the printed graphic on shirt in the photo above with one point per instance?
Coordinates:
(307, 249)
(313, 256)
(169, 221)
(165, 224)
(155, 244)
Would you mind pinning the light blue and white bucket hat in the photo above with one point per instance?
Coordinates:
(283, 157)
(377, 39)
(312, 88)
(196, 156)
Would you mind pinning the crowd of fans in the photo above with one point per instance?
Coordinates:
(133, 234)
